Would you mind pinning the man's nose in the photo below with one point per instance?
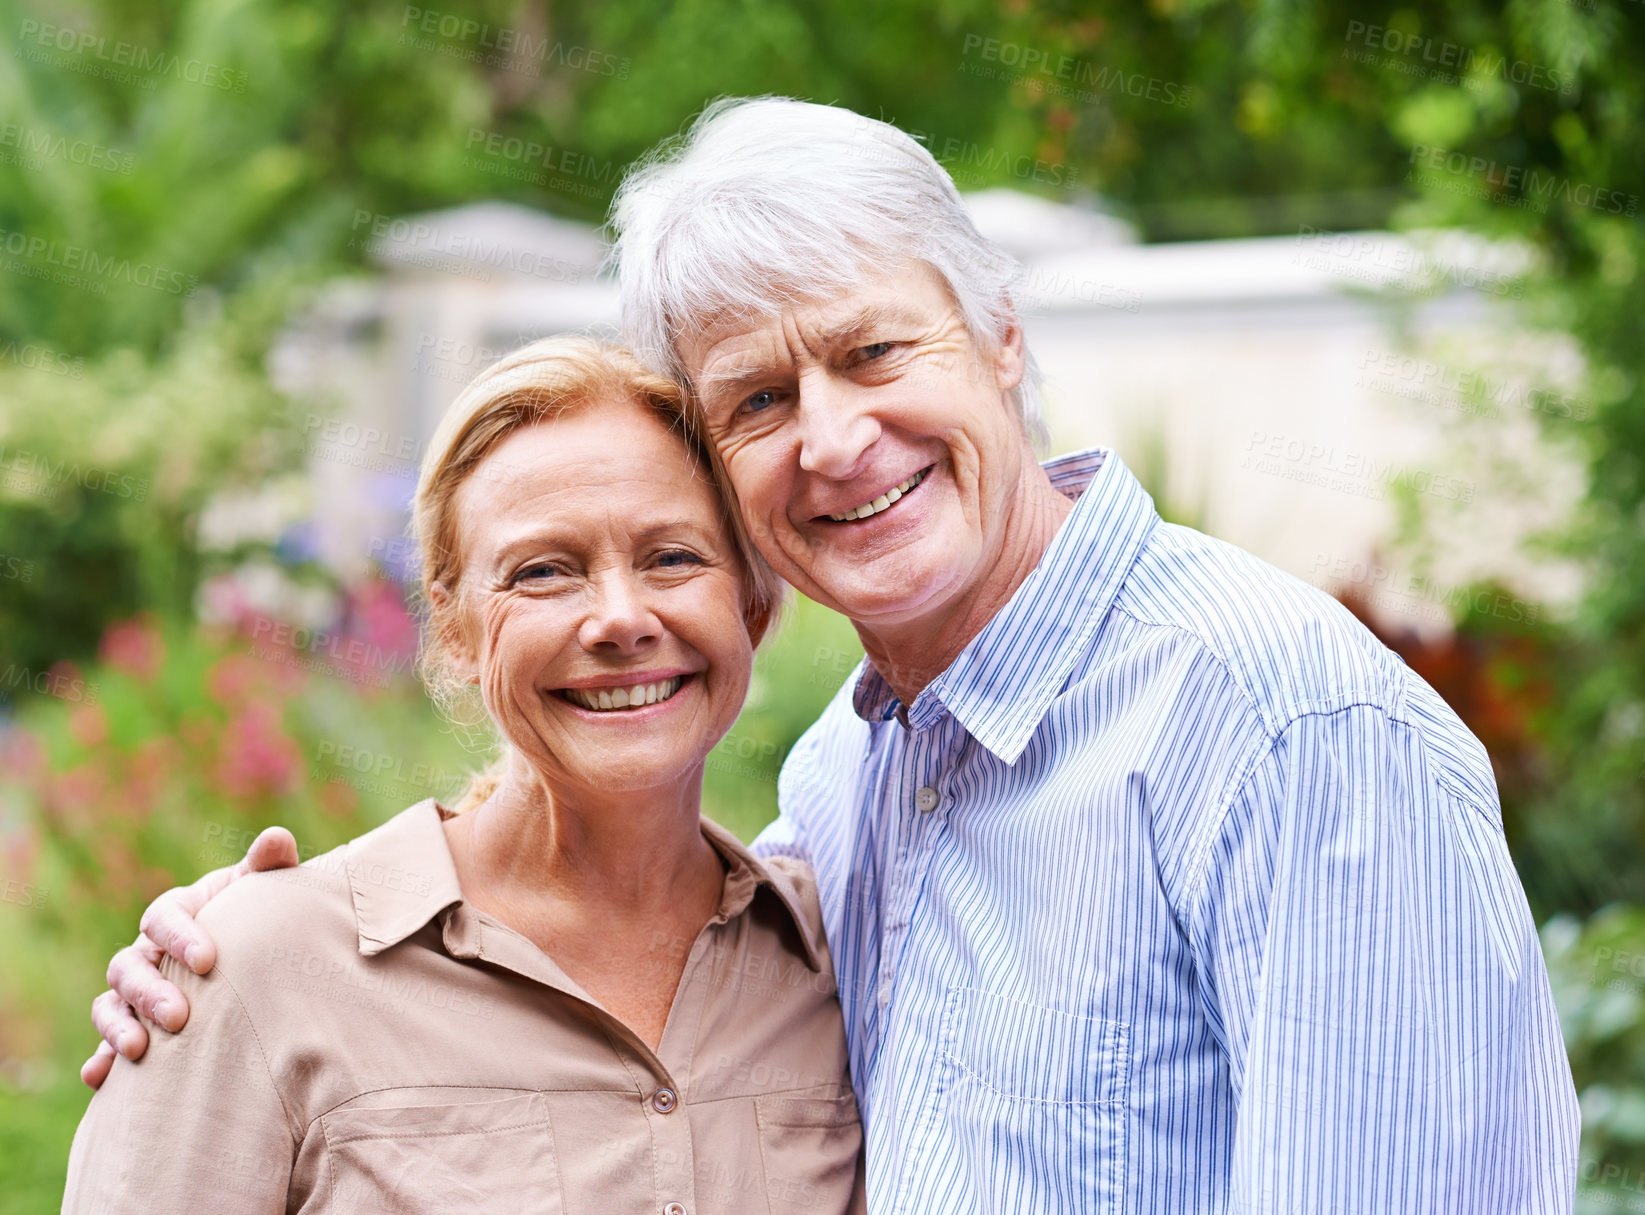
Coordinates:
(621, 616)
(837, 425)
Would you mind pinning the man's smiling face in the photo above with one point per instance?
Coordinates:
(872, 443)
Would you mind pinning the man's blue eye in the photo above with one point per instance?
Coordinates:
(874, 350)
(762, 399)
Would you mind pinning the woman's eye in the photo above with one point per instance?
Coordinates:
(537, 573)
(678, 557)
(763, 399)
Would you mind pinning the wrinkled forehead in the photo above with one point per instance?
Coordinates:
(719, 342)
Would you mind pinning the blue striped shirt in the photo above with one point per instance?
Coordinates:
(1178, 892)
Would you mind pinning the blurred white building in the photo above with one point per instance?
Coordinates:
(1280, 393)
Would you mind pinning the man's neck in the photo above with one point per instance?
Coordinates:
(910, 655)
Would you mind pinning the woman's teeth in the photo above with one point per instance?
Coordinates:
(881, 502)
(602, 700)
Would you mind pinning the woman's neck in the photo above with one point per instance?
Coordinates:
(615, 888)
(632, 852)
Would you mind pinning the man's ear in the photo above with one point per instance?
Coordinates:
(1011, 356)
(449, 631)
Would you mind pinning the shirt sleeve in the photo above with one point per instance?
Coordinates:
(781, 837)
(797, 786)
(1371, 969)
(196, 1124)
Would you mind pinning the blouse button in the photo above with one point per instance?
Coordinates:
(674, 1208)
(664, 1101)
(926, 799)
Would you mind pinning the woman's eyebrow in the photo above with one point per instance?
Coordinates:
(565, 540)
(536, 537)
(671, 527)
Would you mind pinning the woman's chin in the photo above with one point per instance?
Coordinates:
(624, 765)
(642, 773)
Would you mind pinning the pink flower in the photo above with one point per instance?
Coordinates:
(89, 725)
(22, 756)
(18, 853)
(232, 679)
(258, 756)
(72, 798)
(133, 646)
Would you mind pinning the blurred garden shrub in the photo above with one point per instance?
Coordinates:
(1598, 972)
(105, 464)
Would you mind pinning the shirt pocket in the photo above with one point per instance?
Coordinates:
(1036, 1099)
(810, 1147)
(488, 1155)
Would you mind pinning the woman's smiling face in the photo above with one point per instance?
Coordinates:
(599, 605)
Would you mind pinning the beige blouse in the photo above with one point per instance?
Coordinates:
(368, 1042)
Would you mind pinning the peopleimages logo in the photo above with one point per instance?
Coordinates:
(1449, 62)
(31, 356)
(1433, 383)
(87, 43)
(96, 267)
(1060, 74)
(29, 143)
(1535, 189)
(504, 47)
(38, 474)
(436, 248)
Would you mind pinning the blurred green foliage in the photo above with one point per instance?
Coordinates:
(163, 206)
(104, 465)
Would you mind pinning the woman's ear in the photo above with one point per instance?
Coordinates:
(453, 637)
(758, 623)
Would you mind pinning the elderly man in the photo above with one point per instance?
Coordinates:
(1154, 882)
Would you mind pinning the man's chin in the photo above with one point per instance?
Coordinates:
(899, 600)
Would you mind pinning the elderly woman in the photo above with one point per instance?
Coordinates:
(568, 992)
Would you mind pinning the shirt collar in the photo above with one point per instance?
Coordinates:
(744, 876)
(1005, 679)
(401, 876)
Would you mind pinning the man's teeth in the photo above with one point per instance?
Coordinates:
(881, 502)
(601, 700)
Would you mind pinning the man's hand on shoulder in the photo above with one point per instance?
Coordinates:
(169, 927)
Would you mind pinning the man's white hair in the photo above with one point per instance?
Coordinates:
(770, 202)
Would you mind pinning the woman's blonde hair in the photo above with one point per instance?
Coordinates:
(534, 384)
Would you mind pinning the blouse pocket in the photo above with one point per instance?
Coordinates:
(810, 1146)
(1037, 1097)
(487, 1156)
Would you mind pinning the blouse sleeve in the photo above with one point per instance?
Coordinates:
(196, 1124)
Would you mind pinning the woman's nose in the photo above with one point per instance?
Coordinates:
(620, 616)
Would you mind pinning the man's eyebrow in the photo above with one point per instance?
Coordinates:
(869, 316)
(749, 369)
(740, 371)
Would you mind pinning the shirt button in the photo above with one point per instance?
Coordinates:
(926, 799)
(885, 993)
(664, 1101)
(674, 1208)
